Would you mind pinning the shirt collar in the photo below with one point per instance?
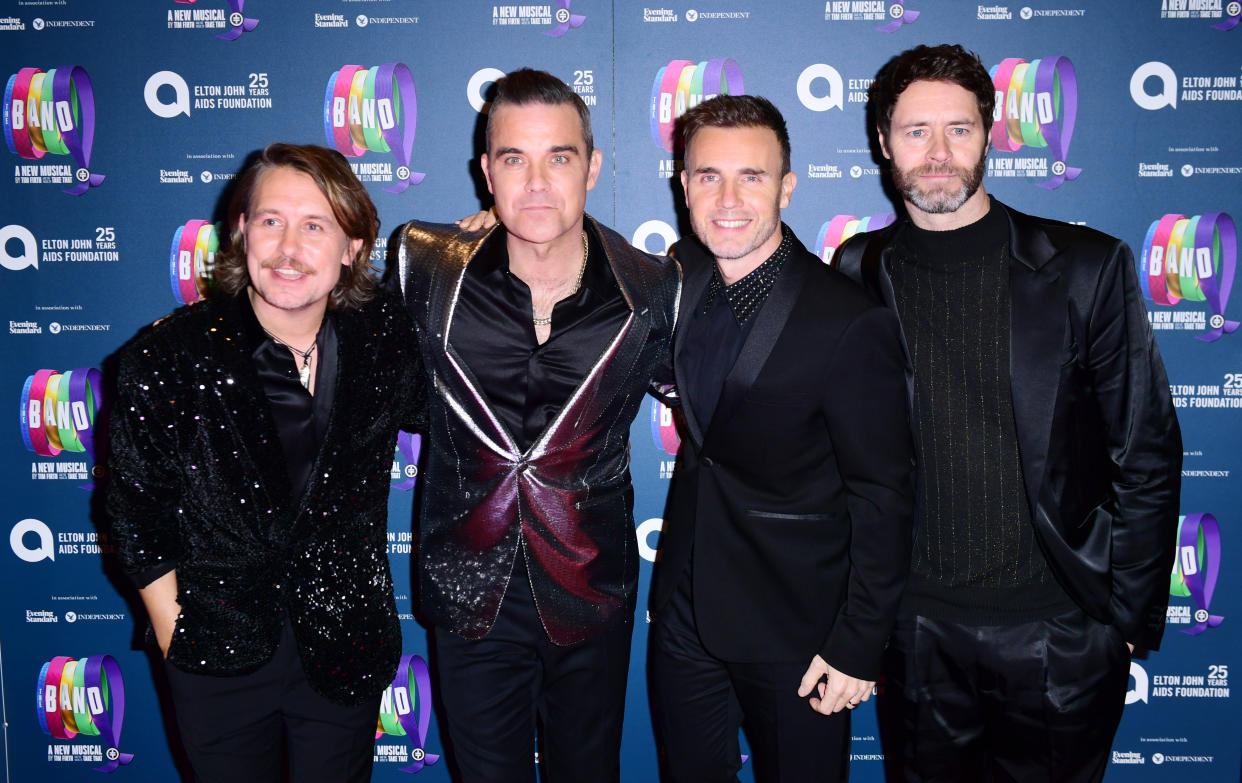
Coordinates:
(747, 295)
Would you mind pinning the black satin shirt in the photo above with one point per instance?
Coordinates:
(492, 332)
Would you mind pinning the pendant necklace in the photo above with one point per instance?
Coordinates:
(304, 372)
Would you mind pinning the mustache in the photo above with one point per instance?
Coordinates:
(291, 263)
(937, 170)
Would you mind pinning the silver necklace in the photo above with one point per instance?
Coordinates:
(547, 321)
(304, 371)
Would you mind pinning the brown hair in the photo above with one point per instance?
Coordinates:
(351, 207)
(944, 63)
(526, 86)
(735, 111)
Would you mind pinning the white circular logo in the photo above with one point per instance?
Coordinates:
(113, 754)
(1157, 758)
(1201, 615)
(36, 23)
(645, 550)
(205, 177)
(474, 87)
(1058, 167)
(53, 327)
(1216, 321)
(1233, 9)
(855, 171)
(82, 174)
(562, 15)
(71, 617)
(1187, 170)
(361, 20)
(652, 228)
(1026, 12)
(403, 172)
(417, 754)
(236, 18)
(896, 10)
(692, 15)
(411, 471)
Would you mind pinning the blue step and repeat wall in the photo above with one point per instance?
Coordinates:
(124, 122)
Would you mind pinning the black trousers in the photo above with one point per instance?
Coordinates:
(243, 729)
(495, 689)
(1037, 702)
(699, 702)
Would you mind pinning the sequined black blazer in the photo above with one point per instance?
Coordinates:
(198, 479)
(566, 503)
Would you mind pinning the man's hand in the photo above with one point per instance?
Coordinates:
(160, 599)
(840, 692)
(1131, 646)
(479, 221)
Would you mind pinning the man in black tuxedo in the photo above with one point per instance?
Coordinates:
(1049, 455)
(251, 439)
(786, 538)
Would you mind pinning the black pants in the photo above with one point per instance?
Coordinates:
(699, 702)
(1035, 702)
(239, 729)
(495, 688)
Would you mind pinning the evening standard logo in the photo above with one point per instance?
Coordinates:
(834, 232)
(52, 113)
(894, 14)
(1230, 12)
(993, 13)
(1195, 259)
(1154, 86)
(1197, 568)
(1128, 757)
(192, 260)
(659, 15)
(1160, 170)
(1036, 107)
(11, 24)
(41, 616)
(252, 93)
(682, 85)
(83, 699)
(176, 177)
(374, 110)
(405, 711)
(331, 20)
(824, 171)
(24, 327)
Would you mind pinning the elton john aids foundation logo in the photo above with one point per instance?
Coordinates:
(192, 260)
(58, 411)
(1197, 568)
(405, 710)
(1037, 106)
(86, 697)
(682, 85)
(374, 110)
(841, 227)
(52, 113)
(1193, 258)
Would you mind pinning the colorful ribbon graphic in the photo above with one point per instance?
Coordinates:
(565, 18)
(663, 428)
(405, 711)
(84, 696)
(58, 411)
(682, 85)
(1233, 14)
(1193, 258)
(833, 233)
(54, 113)
(241, 23)
(1198, 568)
(1037, 106)
(374, 109)
(191, 261)
(900, 15)
(406, 455)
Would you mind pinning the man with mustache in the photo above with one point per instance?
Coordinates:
(251, 439)
(1049, 455)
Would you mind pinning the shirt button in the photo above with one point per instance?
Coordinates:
(708, 462)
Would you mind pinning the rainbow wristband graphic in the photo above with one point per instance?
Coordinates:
(834, 232)
(58, 411)
(1198, 568)
(191, 260)
(374, 109)
(53, 113)
(405, 710)
(84, 696)
(663, 428)
(1193, 258)
(1233, 15)
(1037, 106)
(681, 85)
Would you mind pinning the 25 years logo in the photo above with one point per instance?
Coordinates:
(374, 109)
(1037, 106)
(84, 696)
(53, 113)
(682, 85)
(1193, 258)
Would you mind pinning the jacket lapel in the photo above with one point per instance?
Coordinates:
(696, 265)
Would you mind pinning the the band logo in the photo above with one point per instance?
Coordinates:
(405, 460)
(565, 19)
(682, 85)
(405, 710)
(58, 411)
(192, 260)
(1197, 568)
(84, 696)
(53, 113)
(664, 428)
(1192, 258)
(833, 233)
(374, 109)
(1037, 106)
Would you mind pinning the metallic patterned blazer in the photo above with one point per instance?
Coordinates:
(565, 504)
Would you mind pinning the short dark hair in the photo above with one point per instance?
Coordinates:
(944, 63)
(735, 111)
(351, 206)
(526, 86)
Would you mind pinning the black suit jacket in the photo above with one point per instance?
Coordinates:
(1098, 439)
(198, 479)
(795, 500)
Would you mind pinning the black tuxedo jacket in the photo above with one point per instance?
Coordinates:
(1098, 439)
(198, 479)
(795, 502)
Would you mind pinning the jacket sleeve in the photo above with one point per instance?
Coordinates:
(868, 421)
(1144, 448)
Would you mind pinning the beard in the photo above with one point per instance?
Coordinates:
(941, 200)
